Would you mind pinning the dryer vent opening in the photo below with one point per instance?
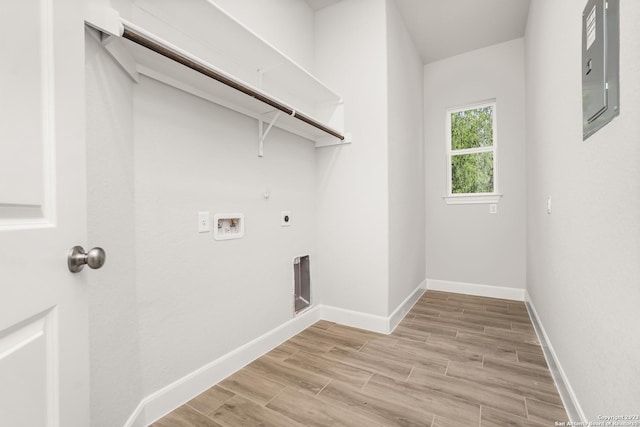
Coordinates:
(302, 283)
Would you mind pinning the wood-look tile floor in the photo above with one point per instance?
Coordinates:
(454, 361)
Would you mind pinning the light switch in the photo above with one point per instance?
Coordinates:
(549, 205)
(203, 222)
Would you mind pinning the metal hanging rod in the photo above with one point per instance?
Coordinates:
(142, 40)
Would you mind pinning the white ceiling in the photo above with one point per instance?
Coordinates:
(444, 28)
(319, 4)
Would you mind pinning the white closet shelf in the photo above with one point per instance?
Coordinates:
(195, 46)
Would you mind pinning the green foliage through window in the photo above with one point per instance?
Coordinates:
(472, 128)
(472, 173)
(472, 150)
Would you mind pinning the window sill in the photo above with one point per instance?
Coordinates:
(472, 199)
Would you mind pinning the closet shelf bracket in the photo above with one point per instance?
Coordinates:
(141, 52)
(121, 55)
(262, 135)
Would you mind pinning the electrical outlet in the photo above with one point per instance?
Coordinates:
(203, 222)
(493, 208)
(285, 218)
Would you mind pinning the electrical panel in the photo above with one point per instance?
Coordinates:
(600, 64)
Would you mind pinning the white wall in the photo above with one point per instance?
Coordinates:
(583, 269)
(174, 300)
(406, 161)
(286, 24)
(201, 298)
(464, 242)
(116, 376)
(183, 299)
(352, 180)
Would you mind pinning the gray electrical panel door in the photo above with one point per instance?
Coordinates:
(600, 63)
(594, 81)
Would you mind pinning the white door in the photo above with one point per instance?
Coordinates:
(43, 306)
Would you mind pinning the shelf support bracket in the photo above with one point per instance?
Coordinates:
(263, 135)
(114, 47)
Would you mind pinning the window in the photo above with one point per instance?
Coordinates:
(472, 155)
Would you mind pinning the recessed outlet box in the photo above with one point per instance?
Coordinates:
(285, 218)
(228, 226)
(302, 284)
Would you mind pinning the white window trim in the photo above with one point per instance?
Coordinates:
(473, 198)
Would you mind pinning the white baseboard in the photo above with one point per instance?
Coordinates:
(405, 306)
(513, 294)
(160, 403)
(138, 418)
(372, 322)
(568, 396)
(165, 400)
(356, 319)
